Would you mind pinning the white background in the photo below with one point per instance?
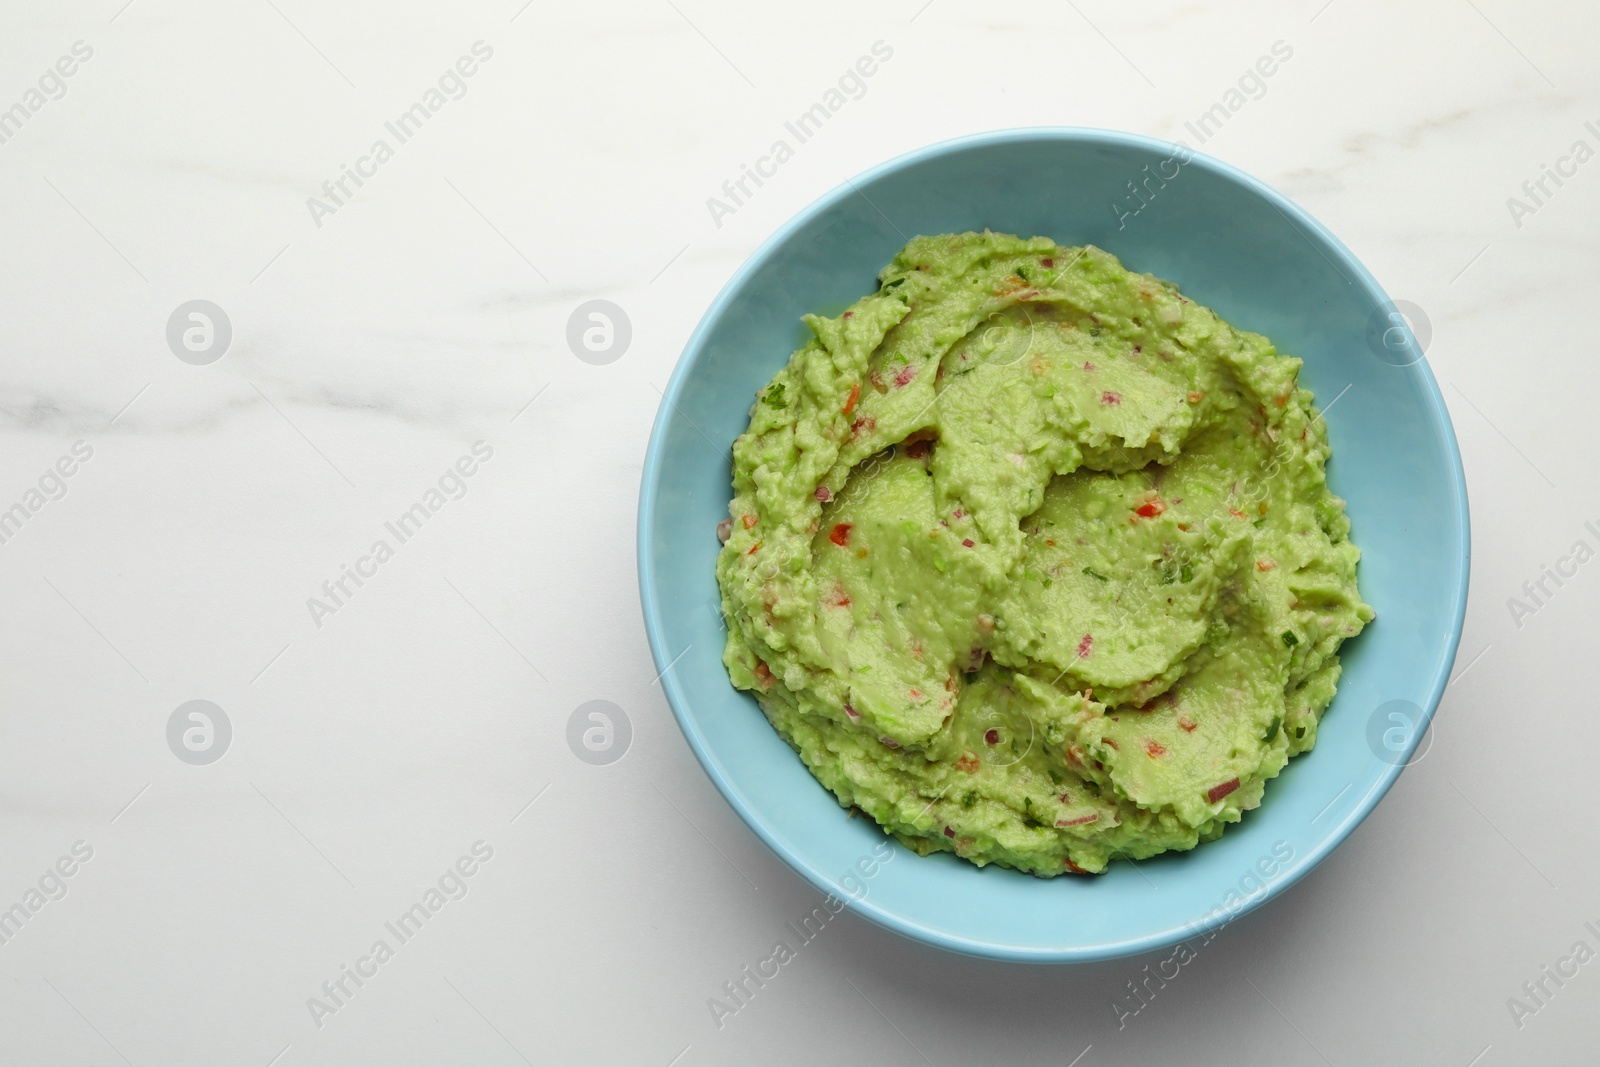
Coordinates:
(371, 351)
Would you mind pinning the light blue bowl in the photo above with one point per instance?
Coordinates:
(1231, 243)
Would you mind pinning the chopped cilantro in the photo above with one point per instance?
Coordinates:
(773, 397)
(1272, 728)
(1091, 572)
(1289, 639)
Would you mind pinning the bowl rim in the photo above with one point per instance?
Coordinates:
(654, 627)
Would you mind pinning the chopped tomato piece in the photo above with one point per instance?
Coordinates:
(968, 762)
(904, 375)
(749, 521)
(763, 675)
(1151, 508)
(1110, 397)
(855, 394)
(1187, 724)
(1217, 792)
(1085, 646)
(840, 534)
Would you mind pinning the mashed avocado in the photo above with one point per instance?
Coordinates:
(1033, 559)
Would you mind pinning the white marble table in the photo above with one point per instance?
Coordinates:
(381, 330)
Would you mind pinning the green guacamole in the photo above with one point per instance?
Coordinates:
(1033, 559)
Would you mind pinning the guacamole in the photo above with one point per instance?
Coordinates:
(1032, 559)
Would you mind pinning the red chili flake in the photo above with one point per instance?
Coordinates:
(1074, 868)
(1265, 565)
(1217, 792)
(958, 514)
(1088, 366)
(1236, 513)
(753, 549)
(949, 832)
(763, 675)
(904, 375)
(1151, 508)
(824, 494)
(1066, 798)
(1047, 263)
(724, 530)
(1111, 744)
(1155, 749)
(1085, 646)
(865, 422)
(1187, 723)
(967, 542)
(749, 521)
(840, 534)
(855, 394)
(1079, 821)
(839, 597)
(968, 762)
(849, 314)
(1109, 397)
(992, 736)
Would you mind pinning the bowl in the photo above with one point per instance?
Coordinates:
(1230, 242)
